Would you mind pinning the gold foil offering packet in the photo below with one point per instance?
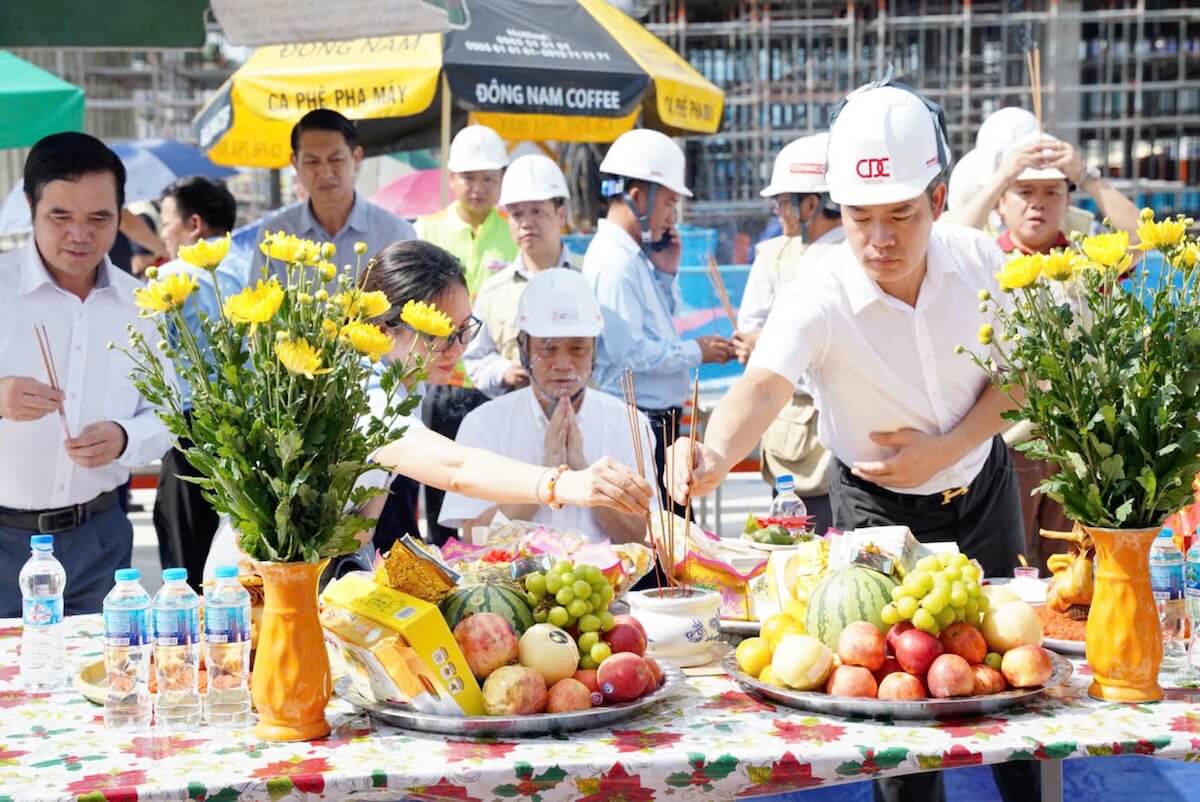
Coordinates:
(410, 569)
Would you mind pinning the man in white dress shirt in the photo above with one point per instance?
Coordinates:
(914, 427)
(52, 482)
(556, 420)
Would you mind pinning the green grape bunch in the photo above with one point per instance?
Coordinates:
(575, 598)
(940, 590)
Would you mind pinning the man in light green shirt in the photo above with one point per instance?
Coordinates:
(470, 227)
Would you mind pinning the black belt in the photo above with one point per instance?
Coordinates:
(663, 414)
(914, 500)
(61, 519)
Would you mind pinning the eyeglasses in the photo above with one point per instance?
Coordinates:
(463, 334)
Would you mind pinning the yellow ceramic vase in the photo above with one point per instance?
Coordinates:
(1124, 641)
(291, 684)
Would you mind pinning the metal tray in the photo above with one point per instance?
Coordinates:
(887, 709)
(535, 725)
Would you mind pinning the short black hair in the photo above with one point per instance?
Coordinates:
(67, 157)
(211, 200)
(412, 270)
(325, 120)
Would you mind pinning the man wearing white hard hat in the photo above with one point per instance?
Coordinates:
(556, 420)
(631, 265)
(812, 226)
(473, 231)
(913, 426)
(470, 227)
(533, 195)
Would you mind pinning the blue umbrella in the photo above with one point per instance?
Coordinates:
(150, 165)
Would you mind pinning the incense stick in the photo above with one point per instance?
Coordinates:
(718, 284)
(43, 340)
(627, 388)
(692, 434)
(1033, 63)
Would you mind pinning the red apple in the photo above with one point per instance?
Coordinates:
(1026, 666)
(656, 673)
(851, 681)
(950, 675)
(568, 695)
(890, 666)
(588, 677)
(966, 641)
(916, 651)
(988, 680)
(862, 644)
(893, 634)
(623, 677)
(626, 635)
(488, 641)
(901, 686)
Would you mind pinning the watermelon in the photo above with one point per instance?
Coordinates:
(487, 599)
(854, 593)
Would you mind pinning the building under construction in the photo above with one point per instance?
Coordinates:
(1121, 80)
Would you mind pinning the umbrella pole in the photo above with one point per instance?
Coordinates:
(445, 178)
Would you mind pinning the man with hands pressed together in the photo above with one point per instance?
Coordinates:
(62, 279)
(913, 425)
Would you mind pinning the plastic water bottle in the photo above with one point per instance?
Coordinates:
(1191, 593)
(227, 650)
(127, 644)
(177, 652)
(1166, 581)
(786, 503)
(42, 582)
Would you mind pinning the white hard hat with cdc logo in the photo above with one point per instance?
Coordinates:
(559, 303)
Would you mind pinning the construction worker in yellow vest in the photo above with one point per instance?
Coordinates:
(470, 227)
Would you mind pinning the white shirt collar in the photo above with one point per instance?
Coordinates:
(34, 272)
(522, 271)
(618, 236)
(862, 291)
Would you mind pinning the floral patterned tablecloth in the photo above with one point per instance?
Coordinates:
(709, 742)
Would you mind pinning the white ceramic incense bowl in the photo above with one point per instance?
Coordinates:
(681, 626)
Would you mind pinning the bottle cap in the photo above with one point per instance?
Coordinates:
(1166, 531)
(127, 575)
(41, 542)
(784, 480)
(174, 574)
(226, 572)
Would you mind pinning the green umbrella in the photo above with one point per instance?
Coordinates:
(34, 103)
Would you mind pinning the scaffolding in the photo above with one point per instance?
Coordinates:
(1120, 80)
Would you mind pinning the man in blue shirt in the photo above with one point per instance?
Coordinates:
(193, 209)
(631, 265)
(327, 158)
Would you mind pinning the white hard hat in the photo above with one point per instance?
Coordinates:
(1032, 173)
(533, 177)
(650, 156)
(971, 174)
(477, 147)
(1001, 128)
(884, 147)
(800, 167)
(559, 303)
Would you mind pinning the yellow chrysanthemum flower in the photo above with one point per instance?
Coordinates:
(1021, 271)
(205, 254)
(986, 332)
(328, 250)
(329, 329)
(426, 319)
(255, 304)
(1058, 265)
(1161, 234)
(300, 358)
(290, 249)
(1188, 256)
(360, 248)
(328, 270)
(165, 295)
(367, 339)
(365, 305)
(1109, 250)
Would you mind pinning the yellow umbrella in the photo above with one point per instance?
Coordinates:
(572, 72)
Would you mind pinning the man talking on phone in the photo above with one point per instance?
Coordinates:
(631, 265)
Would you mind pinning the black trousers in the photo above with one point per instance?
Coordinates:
(448, 406)
(184, 521)
(986, 524)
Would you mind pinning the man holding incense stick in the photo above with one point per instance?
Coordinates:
(913, 426)
(72, 424)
